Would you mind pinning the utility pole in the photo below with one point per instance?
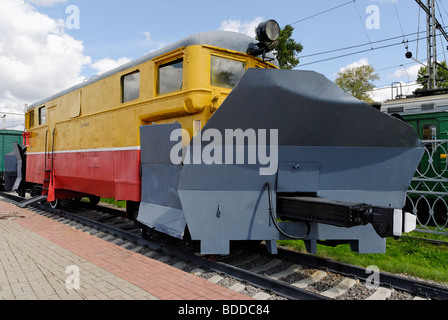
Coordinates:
(3, 117)
(432, 44)
(432, 25)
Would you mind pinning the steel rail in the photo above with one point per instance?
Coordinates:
(413, 286)
(254, 279)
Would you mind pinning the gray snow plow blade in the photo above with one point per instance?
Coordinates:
(330, 145)
(160, 207)
(293, 133)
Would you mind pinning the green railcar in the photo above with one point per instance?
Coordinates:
(428, 193)
(433, 130)
(7, 139)
(428, 115)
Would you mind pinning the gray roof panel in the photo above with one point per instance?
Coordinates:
(222, 39)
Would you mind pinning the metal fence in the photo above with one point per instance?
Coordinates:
(427, 196)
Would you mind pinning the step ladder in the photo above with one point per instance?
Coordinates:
(48, 182)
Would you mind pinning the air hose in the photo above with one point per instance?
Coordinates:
(271, 213)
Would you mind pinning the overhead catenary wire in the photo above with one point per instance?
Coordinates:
(371, 43)
(418, 40)
(443, 6)
(387, 86)
(438, 5)
(325, 11)
(360, 45)
(354, 53)
(405, 41)
(364, 28)
(443, 22)
(360, 51)
(362, 23)
(399, 20)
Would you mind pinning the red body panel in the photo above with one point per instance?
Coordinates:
(109, 174)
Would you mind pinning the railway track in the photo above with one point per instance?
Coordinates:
(248, 270)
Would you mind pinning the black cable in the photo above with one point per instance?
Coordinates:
(359, 45)
(363, 25)
(356, 46)
(353, 53)
(403, 64)
(441, 17)
(399, 21)
(441, 4)
(318, 14)
(271, 213)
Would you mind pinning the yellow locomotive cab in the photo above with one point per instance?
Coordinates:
(94, 127)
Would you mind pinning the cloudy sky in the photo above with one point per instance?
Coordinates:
(49, 45)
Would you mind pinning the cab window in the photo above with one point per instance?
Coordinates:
(170, 77)
(225, 72)
(130, 85)
(31, 119)
(42, 116)
(429, 132)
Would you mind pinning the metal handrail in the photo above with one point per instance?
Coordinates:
(46, 141)
(433, 193)
(52, 158)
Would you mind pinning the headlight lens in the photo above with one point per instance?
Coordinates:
(268, 31)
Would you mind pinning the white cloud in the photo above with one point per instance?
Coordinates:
(411, 73)
(147, 35)
(46, 3)
(382, 94)
(359, 63)
(104, 65)
(402, 88)
(149, 43)
(37, 57)
(241, 27)
(386, 93)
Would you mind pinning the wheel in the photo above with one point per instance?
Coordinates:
(54, 204)
(146, 233)
(132, 210)
(94, 200)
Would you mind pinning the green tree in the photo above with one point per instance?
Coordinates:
(358, 81)
(287, 49)
(442, 76)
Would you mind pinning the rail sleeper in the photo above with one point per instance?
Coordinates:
(340, 288)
